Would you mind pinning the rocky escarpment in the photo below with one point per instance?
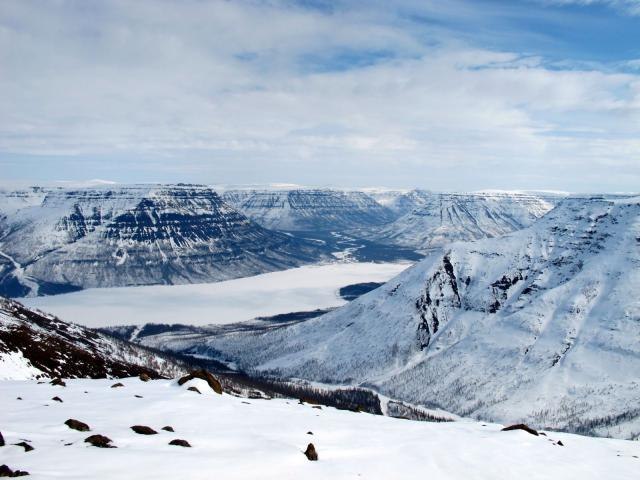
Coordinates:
(309, 209)
(36, 345)
(137, 236)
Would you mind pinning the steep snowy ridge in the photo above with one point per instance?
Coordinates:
(540, 325)
(37, 345)
(312, 209)
(432, 220)
(137, 235)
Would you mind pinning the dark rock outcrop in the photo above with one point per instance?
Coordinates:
(194, 389)
(179, 443)
(77, 425)
(5, 471)
(203, 375)
(168, 429)
(521, 426)
(144, 430)
(99, 441)
(25, 445)
(311, 453)
(58, 382)
(1, 440)
(117, 385)
(57, 399)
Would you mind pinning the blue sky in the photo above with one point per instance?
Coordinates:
(448, 95)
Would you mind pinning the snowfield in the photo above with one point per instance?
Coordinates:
(299, 289)
(236, 438)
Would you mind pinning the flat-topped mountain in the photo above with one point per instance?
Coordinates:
(57, 240)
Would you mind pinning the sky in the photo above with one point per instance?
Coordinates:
(446, 95)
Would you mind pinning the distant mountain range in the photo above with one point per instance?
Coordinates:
(539, 325)
(57, 240)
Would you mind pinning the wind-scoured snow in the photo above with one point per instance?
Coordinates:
(300, 289)
(235, 438)
(540, 325)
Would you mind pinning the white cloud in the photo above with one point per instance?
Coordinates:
(225, 89)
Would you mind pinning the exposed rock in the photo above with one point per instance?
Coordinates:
(560, 443)
(57, 399)
(99, 441)
(138, 396)
(179, 443)
(77, 425)
(117, 385)
(18, 398)
(194, 389)
(143, 430)
(203, 375)
(311, 453)
(5, 471)
(309, 433)
(58, 382)
(168, 429)
(318, 407)
(25, 445)
(1, 440)
(144, 377)
(521, 426)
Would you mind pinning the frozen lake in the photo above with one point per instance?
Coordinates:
(298, 289)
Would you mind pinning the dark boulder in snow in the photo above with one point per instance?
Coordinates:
(57, 399)
(311, 453)
(117, 385)
(521, 426)
(179, 443)
(203, 375)
(144, 377)
(77, 425)
(194, 389)
(25, 445)
(168, 429)
(5, 471)
(143, 430)
(1, 440)
(99, 441)
(58, 382)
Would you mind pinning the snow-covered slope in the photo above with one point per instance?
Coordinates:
(235, 438)
(309, 210)
(35, 345)
(431, 220)
(137, 235)
(540, 325)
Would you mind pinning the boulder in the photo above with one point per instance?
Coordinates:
(99, 441)
(77, 425)
(57, 399)
(144, 377)
(144, 430)
(25, 445)
(1, 440)
(5, 471)
(117, 385)
(311, 453)
(180, 443)
(168, 429)
(521, 426)
(213, 382)
(58, 381)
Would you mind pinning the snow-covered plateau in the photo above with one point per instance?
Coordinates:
(305, 288)
(239, 438)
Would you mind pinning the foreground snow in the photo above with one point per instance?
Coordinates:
(298, 289)
(234, 438)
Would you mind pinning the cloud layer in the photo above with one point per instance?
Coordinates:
(321, 93)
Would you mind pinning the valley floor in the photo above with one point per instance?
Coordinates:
(236, 438)
(299, 289)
